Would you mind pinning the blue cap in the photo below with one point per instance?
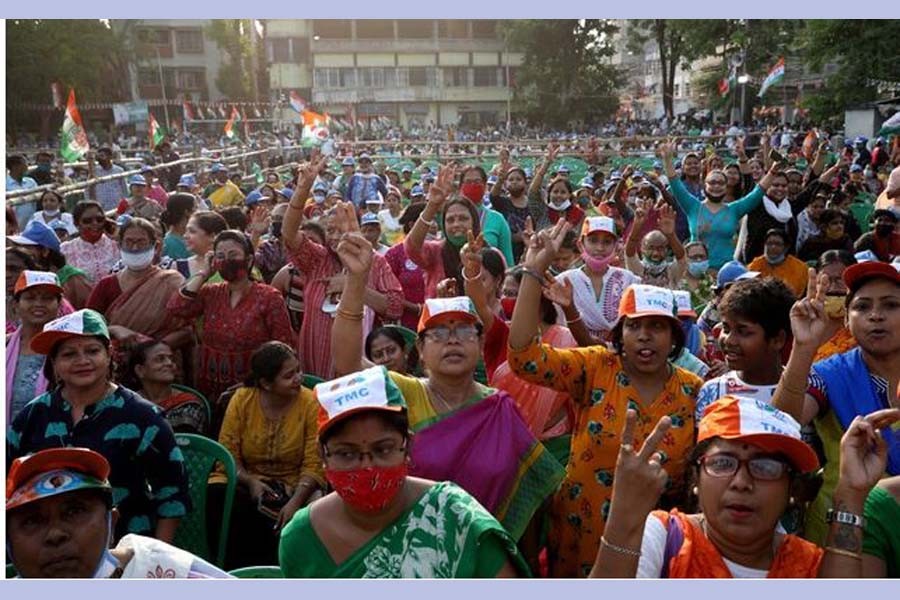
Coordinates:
(861, 139)
(137, 180)
(146, 168)
(123, 220)
(731, 272)
(563, 169)
(320, 187)
(406, 169)
(429, 178)
(856, 169)
(616, 174)
(254, 197)
(637, 174)
(37, 234)
(187, 181)
(348, 162)
(218, 168)
(492, 180)
(657, 165)
(369, 218)
(416, 191)
(365, 156)
(285, 192)
(587, 183)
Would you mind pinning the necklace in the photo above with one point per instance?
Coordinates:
(446, 406)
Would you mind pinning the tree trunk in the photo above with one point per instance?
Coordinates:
(664, 60)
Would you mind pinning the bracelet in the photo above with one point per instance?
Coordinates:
(620, 549)
(575, 320)
(429, 223)
(846, 518)
(291, 206)
(473, 277)
(842, 552)
(349, 315)
(536, 276)
(188, 294)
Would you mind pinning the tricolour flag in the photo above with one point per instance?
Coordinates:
(891, 126)
(297, 103)
(155, 132)
(73, 142)
(775, 76)
(188, 111)
(229, 126)
(315, 130)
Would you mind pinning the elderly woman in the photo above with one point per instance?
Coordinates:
(455, 418)
(85, 408)
(380, 522)
(270, 430)
(745, 463)
(833, 392)
(238, 314)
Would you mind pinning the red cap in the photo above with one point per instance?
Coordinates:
(856, 275)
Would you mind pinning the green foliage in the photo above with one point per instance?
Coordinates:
(235, 75)
(564, 78)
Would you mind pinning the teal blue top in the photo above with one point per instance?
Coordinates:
(174, 247)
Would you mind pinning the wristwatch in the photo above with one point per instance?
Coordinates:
(846, 518)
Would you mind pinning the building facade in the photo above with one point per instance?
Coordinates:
(415, 72)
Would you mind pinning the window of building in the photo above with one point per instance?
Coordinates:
(486, 77)
(456, 76)
(158, 37)
(371, 77)
(418, 77)
(330, 29)
(327, 78)
(374, 29)
(148, 77)
(687, 89)
(416, 29)
(189, 41)
(484, 29)
(280, 50)
(190, 79)
(677, 91)
(453, 29)
(348, 78)
(390, 77)
(300, 49)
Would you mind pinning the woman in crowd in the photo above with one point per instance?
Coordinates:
(833, 236)
(37, 296)
(202, 228)
(408, 273)
(454, 417)
(392, 348)
(603, 384)
(133, 301)
(698, 278)
(833, 263)
(151, 371)
(238, 314)
(559, 197)
(50, 208)
(380, 522)
(833, 392)
(290, 281)
(175, 218)
(392, 230)
(84, 407)
(270, 430)
(747, 458)
(712, 221)
(92, 251)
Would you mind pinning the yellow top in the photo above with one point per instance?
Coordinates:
(793, 272)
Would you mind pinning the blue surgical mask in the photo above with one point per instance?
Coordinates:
(698, 268)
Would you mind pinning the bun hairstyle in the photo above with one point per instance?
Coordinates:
(179, 206)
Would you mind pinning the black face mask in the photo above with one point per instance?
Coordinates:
(884, 229)
(275, 229)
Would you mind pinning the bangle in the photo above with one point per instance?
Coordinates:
(620, 549)
(187, 293)
(575, 320)
(842, 552)
(846, 518)
(429, 223)
(349, 315)
(477, 276)
(291, 206)
(536, 276)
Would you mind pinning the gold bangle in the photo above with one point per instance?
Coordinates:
(349, 315)
(842, 552)
(473, 277)
(620, 549)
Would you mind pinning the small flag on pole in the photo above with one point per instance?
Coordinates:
(297, 103)
(229, 126)
(73, 142)
(155, 133)
(891, 126)
(188, 111)
(775, 76)
(56, 90)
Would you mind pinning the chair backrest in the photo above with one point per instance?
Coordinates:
(190, 390)
(258, 573)
(200, 457)
(11, 572)
(310, 381)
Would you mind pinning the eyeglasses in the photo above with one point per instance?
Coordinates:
(463, 333)
(384, 456)
(761, 468)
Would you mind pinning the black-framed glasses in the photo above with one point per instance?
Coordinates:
(384, 456)
(463, 333)
(763, 468)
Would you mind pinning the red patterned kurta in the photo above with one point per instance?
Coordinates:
(319, 264)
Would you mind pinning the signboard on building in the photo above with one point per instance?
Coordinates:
(129, 113)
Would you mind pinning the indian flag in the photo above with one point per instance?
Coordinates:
(229, 126)
(891, 126)
(155, 133)
(315, 131)
(187, 111)
(73, 142)
(775, 76)
(297, 103)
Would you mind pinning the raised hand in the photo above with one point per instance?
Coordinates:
(559, 292)
(545, 245)
(260, 219)
(446, 288)
(345, 219)
(642, 208)
(440, 190)
(552, 152)
(470, 254)
(864, 450)
(355, 253)
(309, 171)
(528, 232)
(666, 217)
(639, 476)
(809, 322)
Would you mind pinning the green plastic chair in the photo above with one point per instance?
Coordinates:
(200, 457)
(862, 212)
(257, 573)
(190, 390)
(11, 572)
(311, 381)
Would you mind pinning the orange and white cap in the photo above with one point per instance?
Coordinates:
(594, 224)
(369, 390)
(641, 300)
(759, 424)
(442, 309)
(683, 302)
(33, 279)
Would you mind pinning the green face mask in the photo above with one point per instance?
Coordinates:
(457, 241)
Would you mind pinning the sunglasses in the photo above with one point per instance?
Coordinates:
(761, 468)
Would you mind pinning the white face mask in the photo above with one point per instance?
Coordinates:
(566, 204)
(137, 261)
(51, 213)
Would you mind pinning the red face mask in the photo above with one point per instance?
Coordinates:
(508, 305)
(368, 489)
(232, 269)
(91, 236)
(474, 191)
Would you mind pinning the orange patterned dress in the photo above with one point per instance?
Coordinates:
(602, 392)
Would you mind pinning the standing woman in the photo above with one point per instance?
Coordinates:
(50, 206)
(200, 231)
(85, 408)
(408, 273)
(238, 315)
(37, 297)
(175, 219)
(92, 251)
(603, 385)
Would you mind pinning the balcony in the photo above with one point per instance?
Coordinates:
(404, 45)
(409, 94)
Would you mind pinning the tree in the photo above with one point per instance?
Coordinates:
(565, 76)
(235, 77)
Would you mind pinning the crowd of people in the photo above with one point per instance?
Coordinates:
(477, 369)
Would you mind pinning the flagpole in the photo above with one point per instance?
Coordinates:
(162, 83)
(784, 96)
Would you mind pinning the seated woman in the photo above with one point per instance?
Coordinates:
(85, 408)
(151, 371)
(270, 430)
(379, 522)
(37, 296)
(745, 463)
(881, 541)
(394, 348)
